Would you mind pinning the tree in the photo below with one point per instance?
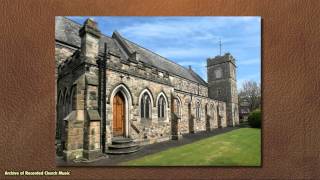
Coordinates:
(251, 92)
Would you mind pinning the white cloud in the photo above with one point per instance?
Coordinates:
(187, 27)
(188, 63)
(172, 31)
(181, 52)
(197, 38)
(194, 36)
(190, 40)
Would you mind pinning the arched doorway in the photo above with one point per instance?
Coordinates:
(124, 94)
(119, 114)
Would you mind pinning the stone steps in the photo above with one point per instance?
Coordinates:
(122, 151)
(122, 145)
(121, 140)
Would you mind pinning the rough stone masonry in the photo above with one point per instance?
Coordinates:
(109, 87)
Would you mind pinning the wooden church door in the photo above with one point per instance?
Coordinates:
(118, 115)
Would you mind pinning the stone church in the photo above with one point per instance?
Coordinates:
(111, 90)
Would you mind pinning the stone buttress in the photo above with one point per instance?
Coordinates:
(79, 126)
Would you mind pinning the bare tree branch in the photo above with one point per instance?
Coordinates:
(251, 92)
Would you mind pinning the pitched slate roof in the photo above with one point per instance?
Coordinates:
(197, 77)
(67, 31)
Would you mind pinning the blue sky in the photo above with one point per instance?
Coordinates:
(191, 40)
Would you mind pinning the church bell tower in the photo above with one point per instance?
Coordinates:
(222, 84)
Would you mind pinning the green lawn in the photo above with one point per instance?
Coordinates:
(241, 147)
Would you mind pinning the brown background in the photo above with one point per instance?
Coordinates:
(291, 85)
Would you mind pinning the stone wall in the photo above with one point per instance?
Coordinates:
(78, 118)
(62, 52)
(185, 85)
(147, 131)
(135, 79)
(70, 117)
(208, 119)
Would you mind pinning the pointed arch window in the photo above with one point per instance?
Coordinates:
(177, 107)
(145, 106)
(161, 107)
(198, 110)
(65, 103)
(212, 110)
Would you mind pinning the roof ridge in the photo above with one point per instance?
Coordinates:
(146, 49)
(132, 43)
(81, 25)
(71, 20)
(194, 74)
(152, 52)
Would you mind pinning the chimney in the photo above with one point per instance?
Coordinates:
(90, 35)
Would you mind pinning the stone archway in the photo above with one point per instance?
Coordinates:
(122, 94)
(118, 115)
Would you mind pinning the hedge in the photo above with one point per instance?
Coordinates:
(254, 119)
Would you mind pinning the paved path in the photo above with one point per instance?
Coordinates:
(113, 160)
